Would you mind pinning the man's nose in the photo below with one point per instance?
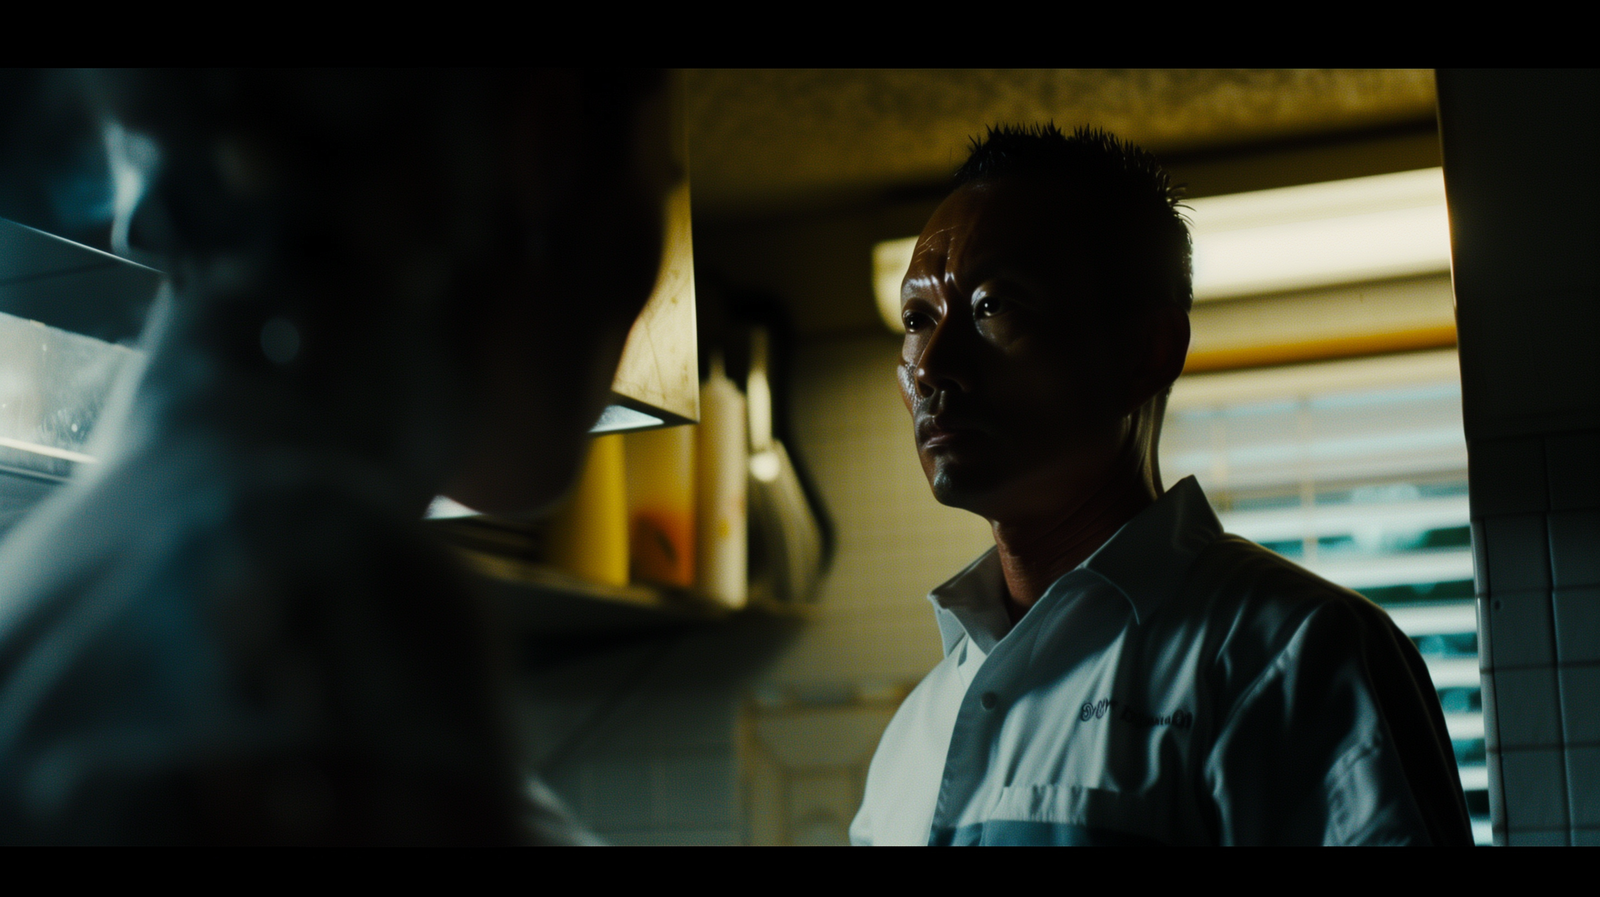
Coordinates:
(945, 362)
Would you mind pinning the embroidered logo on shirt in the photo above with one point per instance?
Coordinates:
(1177, 719)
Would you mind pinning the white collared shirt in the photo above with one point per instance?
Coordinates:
(1180, 686)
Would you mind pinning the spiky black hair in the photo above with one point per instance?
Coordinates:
(1128, 200)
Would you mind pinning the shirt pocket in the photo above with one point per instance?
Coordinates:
(1070, 815)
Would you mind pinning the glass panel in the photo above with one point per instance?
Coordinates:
(53, 387)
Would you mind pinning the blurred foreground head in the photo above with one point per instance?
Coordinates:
(383, 286)
(430, 272)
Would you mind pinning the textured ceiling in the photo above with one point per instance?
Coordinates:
(767, 140)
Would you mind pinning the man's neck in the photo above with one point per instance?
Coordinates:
(1036, 551)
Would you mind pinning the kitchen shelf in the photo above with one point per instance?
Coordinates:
(508, 555)
(544, 600)
(558, 600)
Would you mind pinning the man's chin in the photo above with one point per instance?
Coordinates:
(968, 490)
(992, 488)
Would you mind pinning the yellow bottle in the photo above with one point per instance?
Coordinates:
(661, 500)
(589, 535)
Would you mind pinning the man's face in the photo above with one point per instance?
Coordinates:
(1017, 390)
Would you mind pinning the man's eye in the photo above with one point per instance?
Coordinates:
(913, 321)
(988, 306)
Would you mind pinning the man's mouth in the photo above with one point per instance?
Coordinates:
(945, 428)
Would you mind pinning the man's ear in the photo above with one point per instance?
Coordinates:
(1170, 337)
(1158, 350)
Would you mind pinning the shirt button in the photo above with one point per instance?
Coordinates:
(989, 700)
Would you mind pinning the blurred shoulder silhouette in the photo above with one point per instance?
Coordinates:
(383, 286)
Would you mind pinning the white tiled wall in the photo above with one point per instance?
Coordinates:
(821, 705)
(874, 627)
(1536, 531)
(640, 739)
(1529, 320)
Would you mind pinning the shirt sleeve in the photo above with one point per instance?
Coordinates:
(1338, 740)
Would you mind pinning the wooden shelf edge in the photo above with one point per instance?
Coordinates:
(685, 604)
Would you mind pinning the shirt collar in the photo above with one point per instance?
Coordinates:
(1174, 530)
(969, 604)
